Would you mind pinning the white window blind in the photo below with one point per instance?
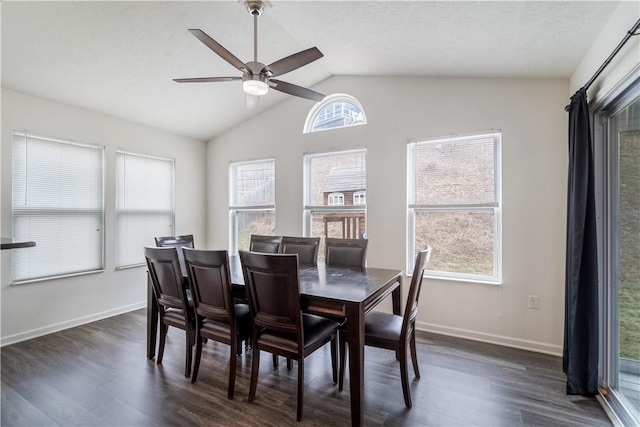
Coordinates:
(144, 204)
(58, 202)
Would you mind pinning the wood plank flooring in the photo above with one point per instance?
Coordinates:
(98, 375)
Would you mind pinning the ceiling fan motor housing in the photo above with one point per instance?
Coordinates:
(254, 82)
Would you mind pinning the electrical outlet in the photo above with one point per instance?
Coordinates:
(534, 302)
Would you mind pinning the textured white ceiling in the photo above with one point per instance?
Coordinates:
(119, 58)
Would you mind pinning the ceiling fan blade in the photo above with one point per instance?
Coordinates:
(293, 62)
(207, 79)
(296, 90)
(219, 49)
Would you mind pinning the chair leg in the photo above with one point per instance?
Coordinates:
(196, 363)
(404, 375)
(235, 345)
(343, 353)
(334, 359)
(414, 355)
(163, 337)
(238, 347)
(276, 363)
(255, 367)
(300, 387)
(189, 355)
(288, 363)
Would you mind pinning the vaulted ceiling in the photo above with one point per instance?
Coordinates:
(119, 58)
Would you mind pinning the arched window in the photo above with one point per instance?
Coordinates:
(335, 111)
(360, 198)
(336, 199)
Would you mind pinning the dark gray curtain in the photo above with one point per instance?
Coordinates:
(580, 355)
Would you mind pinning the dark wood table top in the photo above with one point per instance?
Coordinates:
(9, 243)
(346, 284)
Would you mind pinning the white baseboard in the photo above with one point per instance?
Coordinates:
(536, 346)
(49, 329)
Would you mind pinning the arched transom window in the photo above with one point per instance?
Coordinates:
(335, 111)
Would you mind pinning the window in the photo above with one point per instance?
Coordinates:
(454, 206)
(58, 202)
(335, 111)
(331, 178)
(360, 198)
(336, 199)
(252, 201)
(144, 204)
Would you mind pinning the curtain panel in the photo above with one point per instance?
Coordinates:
(581, 334)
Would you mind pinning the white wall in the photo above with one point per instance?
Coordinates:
(627, 60)
(530, 114)
(34, 309)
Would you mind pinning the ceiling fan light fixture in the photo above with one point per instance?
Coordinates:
(255, 85)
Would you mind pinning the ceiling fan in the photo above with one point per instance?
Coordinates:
(257, 77)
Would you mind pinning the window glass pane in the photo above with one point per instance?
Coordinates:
(253, 222)
(338, 114)
(344, 173)
(468, 250)
(144, 204)
(339, 225)
(454, 205)
(58, 202)
(253, 183)
(455, 172)
(338, 180)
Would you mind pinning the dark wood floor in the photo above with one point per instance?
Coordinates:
(97, 374)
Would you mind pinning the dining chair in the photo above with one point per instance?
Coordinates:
(394, 332)
(175, 309)
(279, 325)
(178, 242)
(305, 247)
(345, 252)
(217, 316)
(265, 244)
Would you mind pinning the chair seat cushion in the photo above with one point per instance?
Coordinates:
(174, 316)
(212, 328)
(243, 320)
(382, 326)
(315, 329)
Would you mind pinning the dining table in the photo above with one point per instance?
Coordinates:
(336, 290)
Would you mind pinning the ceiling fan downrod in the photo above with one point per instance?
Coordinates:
(255, 8)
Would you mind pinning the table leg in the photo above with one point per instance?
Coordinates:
(152, 320)
(396, 297)
(355, 339)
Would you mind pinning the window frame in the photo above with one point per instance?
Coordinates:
(234, 210)
(119, 211)
(494, 208)
(99, 212)
(311, 210)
